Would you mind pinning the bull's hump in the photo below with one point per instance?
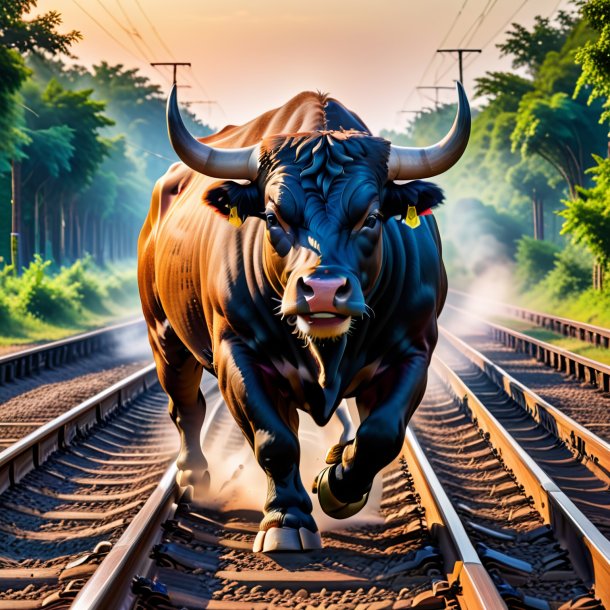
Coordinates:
(306, 112)
(338, 117)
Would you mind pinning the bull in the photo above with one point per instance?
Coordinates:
(276, 257)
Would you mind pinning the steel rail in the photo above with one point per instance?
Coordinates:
(49, 355)
(588, 548)
(584, 369)
(594, 451)
(462, 562)
(34, 449)
(110, 586)
(597, 335)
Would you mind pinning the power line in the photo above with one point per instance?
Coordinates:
(175, 64)
(421, 78)
(134, 34)
(154, 29)
(126, 30)
(138, 59)
(436, 89)
(476, 24)
(500, 30)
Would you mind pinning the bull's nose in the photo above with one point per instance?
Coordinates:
(324, 294)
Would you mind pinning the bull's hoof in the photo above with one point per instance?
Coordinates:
(332, 506)
(197, 480)
(283, 539)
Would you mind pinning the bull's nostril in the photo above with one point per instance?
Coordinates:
(305, 289)
(344, 291)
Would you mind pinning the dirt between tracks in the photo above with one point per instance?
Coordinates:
(41, 398)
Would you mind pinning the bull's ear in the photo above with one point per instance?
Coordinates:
(235, 201)
(399, 197)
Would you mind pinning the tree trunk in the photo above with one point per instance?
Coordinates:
(598, 275)
(62, 231)
(16, 217)
(48, 247)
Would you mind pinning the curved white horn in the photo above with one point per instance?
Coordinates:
(234, 163)
(407, 163)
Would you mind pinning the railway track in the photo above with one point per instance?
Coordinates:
(590, 333)
(71, 487)
(32, 361)
(43, 382)
(578, 367)
(416, 555)
(523, 536)
(498, 500)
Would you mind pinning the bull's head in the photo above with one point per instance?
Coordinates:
(324, 197)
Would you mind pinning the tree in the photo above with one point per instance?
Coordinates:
(594, 56)
(587, 218)
(19, 36)
(529, 48)
(561, 131)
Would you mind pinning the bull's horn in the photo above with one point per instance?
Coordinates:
(234, 163)
(407, 163)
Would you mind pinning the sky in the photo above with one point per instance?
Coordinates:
(248, 56)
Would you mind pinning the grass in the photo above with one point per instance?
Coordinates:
(40, 306)
(582, 348)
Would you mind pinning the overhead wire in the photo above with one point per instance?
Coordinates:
(126, 30)
(109, 34)
(154, 30)
(434, 56)
(499, 31)
(135, 34)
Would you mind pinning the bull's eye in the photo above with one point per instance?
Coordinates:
(371, 221)
(272, 220)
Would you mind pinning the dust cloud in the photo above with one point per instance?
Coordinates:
(238, 482)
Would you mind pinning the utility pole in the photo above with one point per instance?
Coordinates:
(436, 90)
(175, 64)
(460, 53)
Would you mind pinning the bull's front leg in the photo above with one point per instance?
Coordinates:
(287, 524)
(343, 488)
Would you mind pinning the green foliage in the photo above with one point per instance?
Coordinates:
(529, 49)
(535, 258)
(19, 36)
(594, 56)
(44, 297)
(63, 299)
(559, 130)
(571, 273)
(89, 290)
(37, 34)
(587, 217)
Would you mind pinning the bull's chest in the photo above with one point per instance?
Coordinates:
(320, 399)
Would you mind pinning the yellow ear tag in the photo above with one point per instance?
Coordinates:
(234, 218)
(412, 219)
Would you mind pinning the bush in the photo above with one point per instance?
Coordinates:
(45, 298)
(571, 273)
(81, 278)
(534, 260)
(5, 311)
